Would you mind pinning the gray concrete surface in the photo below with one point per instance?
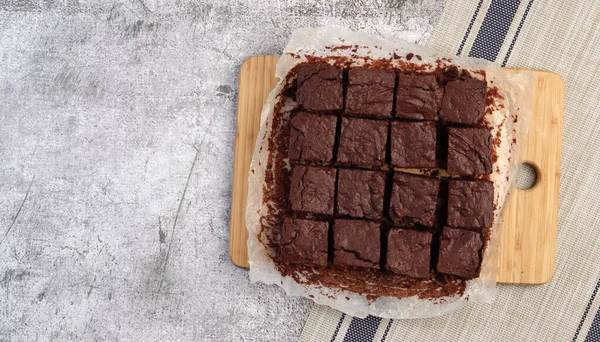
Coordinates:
(117, 126)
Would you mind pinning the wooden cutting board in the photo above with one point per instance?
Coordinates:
(528, 244)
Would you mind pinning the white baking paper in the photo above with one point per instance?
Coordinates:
(514, 88)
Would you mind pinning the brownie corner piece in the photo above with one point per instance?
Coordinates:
(469, 151)
(303, 241)
(459, 253)
(413, 144)
(360, 193)
(470, 204)
(312, 189)
(356, 243)
(312, 137)
(362, 142)
(319, 87)
(418, 96)
(409, 252)
(370, 92)
(464, 101)
(414, 200)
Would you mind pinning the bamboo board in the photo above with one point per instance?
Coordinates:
(528, 243)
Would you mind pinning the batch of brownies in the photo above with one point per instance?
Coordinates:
(353, 200)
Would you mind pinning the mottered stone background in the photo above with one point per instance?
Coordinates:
(117, 127)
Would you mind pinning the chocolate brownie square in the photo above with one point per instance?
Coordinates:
(413, 144)
(459, 253)
(414, 200)
(464, 101)
(319, 87)
(409, 252)
(470, 204)
(360, 193)
(303, 242)
(469, 151)
(362, 142)
(370, 92)
(312, 189)
(418, 97)
(312, 137)
(356, 243)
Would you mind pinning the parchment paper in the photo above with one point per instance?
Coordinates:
(515, 90)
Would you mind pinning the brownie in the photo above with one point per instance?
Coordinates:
(362, 142)
(418, 97)
(470, 204)
(413, 144)
(409, 252)
(303, 242)
(319, 87)
(464, 101)
(356, 243)
(414, 200)
(312, 189)
(370, 92)
(312, 137)
(360, 193)
(469, 151)
(459, 253)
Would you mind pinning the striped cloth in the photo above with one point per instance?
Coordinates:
(561, 36)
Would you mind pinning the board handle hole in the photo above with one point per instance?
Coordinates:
(528, 176)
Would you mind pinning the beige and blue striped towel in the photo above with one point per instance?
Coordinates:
(562, 36)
